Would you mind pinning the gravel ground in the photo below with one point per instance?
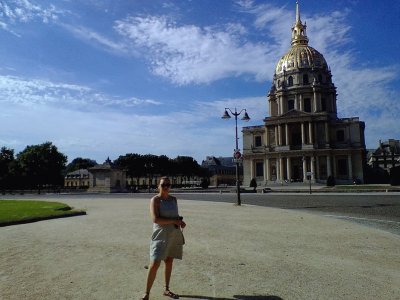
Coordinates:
(231, 252)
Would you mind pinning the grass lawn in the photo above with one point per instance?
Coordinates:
(364, 187)
(21, 211)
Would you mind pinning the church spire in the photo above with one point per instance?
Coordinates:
(297, 12)
(299, 36)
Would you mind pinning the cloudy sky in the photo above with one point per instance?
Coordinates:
(103, 78)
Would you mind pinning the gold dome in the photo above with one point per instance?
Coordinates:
(301, 56)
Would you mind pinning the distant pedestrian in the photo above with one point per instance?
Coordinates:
(167, 239)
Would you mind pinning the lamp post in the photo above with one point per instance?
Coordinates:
(237, 156)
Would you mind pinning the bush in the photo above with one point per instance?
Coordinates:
(253, 183)
(205, 182)
(330, 181)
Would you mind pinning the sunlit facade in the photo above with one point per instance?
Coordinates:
(302, 138)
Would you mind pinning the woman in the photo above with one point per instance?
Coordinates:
(167, 239)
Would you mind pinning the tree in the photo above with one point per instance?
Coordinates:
(133, 164)
(186, 166)
(41, 165)
(80, 163)
(6, 161)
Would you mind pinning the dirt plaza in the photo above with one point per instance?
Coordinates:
(231, 252)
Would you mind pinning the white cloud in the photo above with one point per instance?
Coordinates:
(32, 92)
(23, 11)
(93, 37)
(190, 54)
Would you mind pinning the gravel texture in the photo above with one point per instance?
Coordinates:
(231, 252)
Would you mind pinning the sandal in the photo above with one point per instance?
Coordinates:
(145, 296)
(170, 294)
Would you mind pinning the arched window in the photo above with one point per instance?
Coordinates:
(290, 81)
(307, 105)
(323, 104)
(305, 79)
(290, 104)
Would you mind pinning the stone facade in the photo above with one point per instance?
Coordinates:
(106, 178)
(303, 138)
(222, 170)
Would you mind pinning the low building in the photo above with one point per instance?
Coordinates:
(78, 179)
(386, 156)
(222, 170)
(107, 178)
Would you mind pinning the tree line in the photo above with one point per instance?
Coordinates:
(43, 166)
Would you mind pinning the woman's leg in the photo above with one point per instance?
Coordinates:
(168, 270)
(167, 276)
(151, 275)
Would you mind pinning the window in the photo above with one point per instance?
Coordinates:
(323, 104)
(340, 135)
(307, 105)
(342, 167)
(257, 141)
(291, 104)
(259, 169)
(305, 79)
(290, 81)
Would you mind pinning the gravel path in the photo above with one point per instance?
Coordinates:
(231, 252)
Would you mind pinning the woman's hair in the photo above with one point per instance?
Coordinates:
(162, 179)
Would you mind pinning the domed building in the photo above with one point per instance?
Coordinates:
(303, 138)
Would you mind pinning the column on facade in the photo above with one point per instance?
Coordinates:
(281, 105)
(252, 173)
(276, 135)
(267, 170)
(315, 108)
(303, 134)
(270, 107)
(326, 133)
(278, 102)
(310, 132)
(350, 167)
(279, 135)
(281, 172)
(278, 171)
(301, 102)
(288, 168)
(304, 168)
(317, 169)
(266, 136)
(287, 134)
(296, 102)
(328, 165)
(312, 162)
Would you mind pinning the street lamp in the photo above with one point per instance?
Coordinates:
(237, 156)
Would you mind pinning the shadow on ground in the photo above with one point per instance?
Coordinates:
(235, 297)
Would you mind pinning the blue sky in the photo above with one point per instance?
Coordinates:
(103, 78)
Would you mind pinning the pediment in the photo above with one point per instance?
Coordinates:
(295, 114)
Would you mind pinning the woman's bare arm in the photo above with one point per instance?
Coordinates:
(155, 214)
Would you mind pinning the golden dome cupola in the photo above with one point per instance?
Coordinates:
(300, 55)
(299, 34)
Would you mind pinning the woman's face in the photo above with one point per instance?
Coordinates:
(165, 185)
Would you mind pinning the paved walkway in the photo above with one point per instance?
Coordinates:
(231, 252)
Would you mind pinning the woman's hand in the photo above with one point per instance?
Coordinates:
(183, 224)
(180, 223)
